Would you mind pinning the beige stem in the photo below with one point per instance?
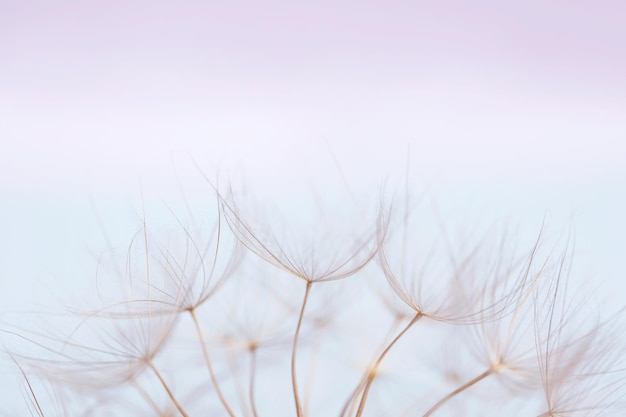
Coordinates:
(294, 380)
(252, 379)
(458, 391)
(205, 352)
(167, 389)
(373, 372)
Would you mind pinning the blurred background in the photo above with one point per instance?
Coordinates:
(502, 111)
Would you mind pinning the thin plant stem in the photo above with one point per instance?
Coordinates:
(179, 407)
(458, 391)
(205, 352)
(252, 380)
(351, 398)
(350, 403)
(373, 372)
(30, 389)
(146, 396)
(294, 380)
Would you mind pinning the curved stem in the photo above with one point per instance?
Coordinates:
(350, 401)
(167, 389)
(294, 380)
(458, 391)
(146, 396)
(372, 374)
(205, 352)
(30, 388)
(252, 378)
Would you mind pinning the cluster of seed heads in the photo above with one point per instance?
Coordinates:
(371, 312)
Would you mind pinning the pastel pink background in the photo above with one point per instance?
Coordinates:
(96, 90)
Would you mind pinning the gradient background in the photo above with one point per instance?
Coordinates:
(516, 107)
